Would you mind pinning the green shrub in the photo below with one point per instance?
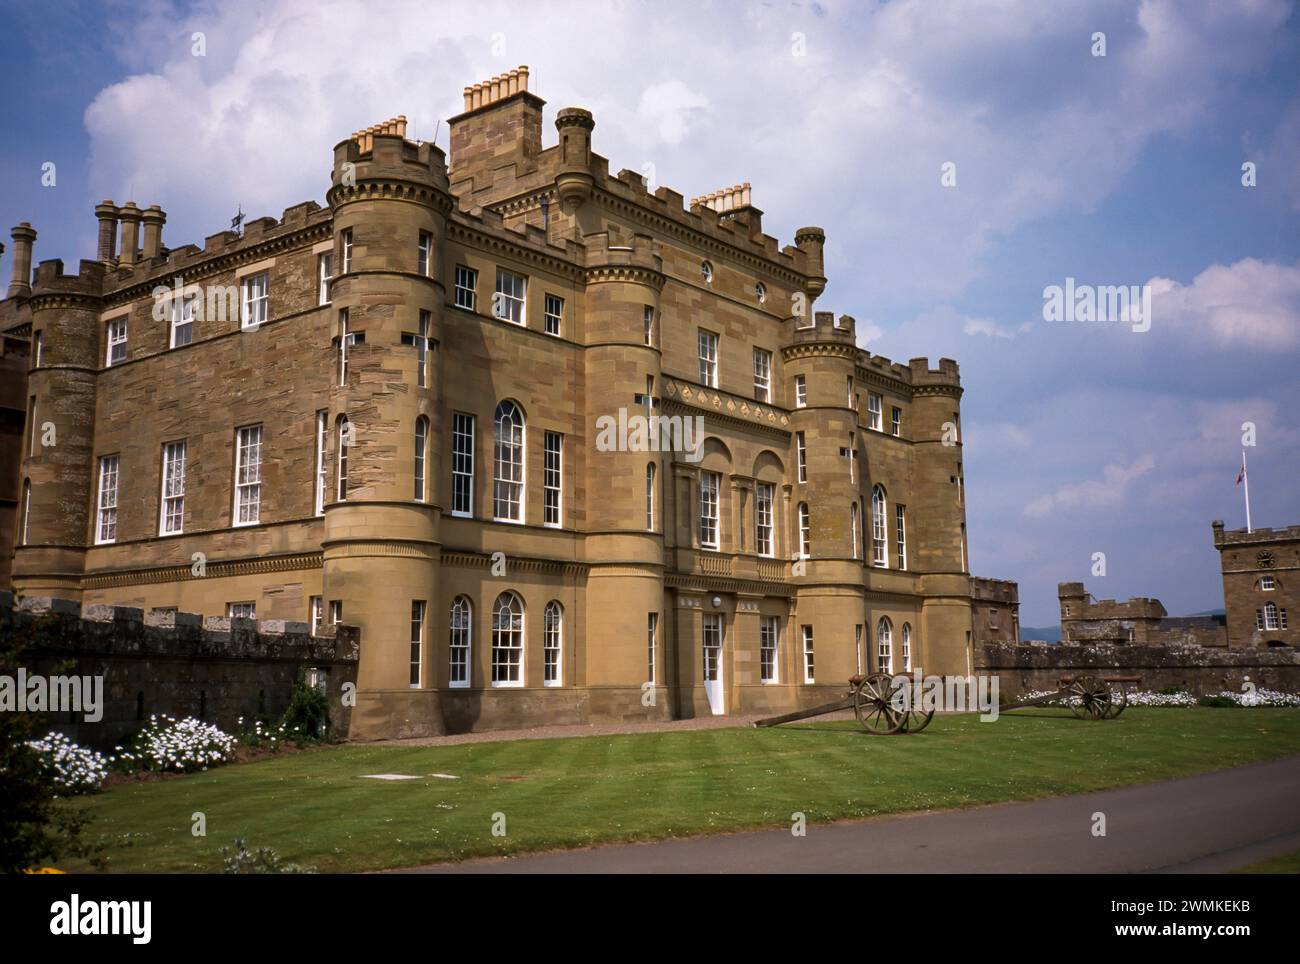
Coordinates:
(1223, 701)
(307, 716)
(1172, 690)
(240, 860)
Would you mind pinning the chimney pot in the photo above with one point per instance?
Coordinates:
(154, 219)
(24, 237)
(106, 212)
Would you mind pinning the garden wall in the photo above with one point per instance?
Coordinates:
(177, 663)
(1196, 669)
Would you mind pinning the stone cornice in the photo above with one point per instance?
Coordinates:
(519, 249)
(625, 272)
(819, 348)
(481, 560)
(726, 408)
(184, 573)
(48, 300)
(389, 189)
(695, 582)
(955, 391)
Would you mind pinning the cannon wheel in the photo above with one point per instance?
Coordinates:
(1118, 701)
(917, 718)
(1092, 697)
(873, 707)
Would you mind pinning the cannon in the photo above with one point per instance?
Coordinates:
(875, 701)
(878, 702)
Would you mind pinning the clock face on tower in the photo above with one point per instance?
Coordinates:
(1265, 559)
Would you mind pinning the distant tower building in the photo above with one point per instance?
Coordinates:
(1261, 583)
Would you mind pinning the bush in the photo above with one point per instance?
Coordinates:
(170, 745)
(240, 860)
(308, 712)
(71, 768)
(1220, 700)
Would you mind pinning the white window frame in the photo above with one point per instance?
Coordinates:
(465, 288)
(906, 638)
(553, 644)
(324, 276)
(322, 460)
(510, 298)
(248, 492)
(875, 410)
(347, 251)
(769, 630)
(509, 465)
(421, 443)
(879, 534)
(182, 318)
(316, 613)
(341, 435)
(116, 339)
(800, 391)
(508, 661)
(460, 642)
(900, 527)
(805, 531)
(648, 317)
(344, 337)
(651, 472)
(553, 315)
(885, 645)
(241, 610)
(27, 512)
(106, 505)
(418, 610)
(553, 480)
(896, 421)
(809, 654)
(255, 300)
(1267, 583)
(652, 644)
(424, 254)
(801, 456)
(171, 504)
(764, 519)
(462, 464)
(762, 375)
(855, 529)
(709, 510)
(422, 350)
(707, 344)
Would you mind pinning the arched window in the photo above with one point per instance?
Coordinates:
(508, 488)
(885, 645)
(855, 529)
(805, 531)
(552, 644)
(907, 647)
(650, 497)
(344, 441)
(421, 447)
(508, 641)
(879, 549)
(460, 641)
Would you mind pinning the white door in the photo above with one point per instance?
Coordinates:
(713, 663)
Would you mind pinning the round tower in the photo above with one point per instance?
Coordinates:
(390, 202)
(819, 361)
(940, 518)
(624, 544)
(58, 461)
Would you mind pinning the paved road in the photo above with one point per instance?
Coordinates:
(1202, 824)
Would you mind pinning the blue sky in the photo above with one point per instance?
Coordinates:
(1123, 169)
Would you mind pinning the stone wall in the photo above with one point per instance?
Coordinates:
(1197, 669)
(176, 664)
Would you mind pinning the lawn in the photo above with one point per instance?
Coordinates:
(315, 808)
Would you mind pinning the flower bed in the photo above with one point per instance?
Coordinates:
(72, 768)
(170, 745)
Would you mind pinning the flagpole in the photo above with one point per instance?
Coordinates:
(1245, 477)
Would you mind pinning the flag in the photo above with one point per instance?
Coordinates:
(237, 220)
(1242, 473)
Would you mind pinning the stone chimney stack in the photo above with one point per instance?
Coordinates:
(130, 215)
(501, 122)
(154, 218)
(24, 237)
(106, 211)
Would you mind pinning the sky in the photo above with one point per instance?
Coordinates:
(961, 157)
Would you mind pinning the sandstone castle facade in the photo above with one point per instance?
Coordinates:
(417, 411)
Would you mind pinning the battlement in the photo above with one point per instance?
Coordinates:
(127, 629)
(1236, 537)
(994, 590)
(825, 328)
(947, 374)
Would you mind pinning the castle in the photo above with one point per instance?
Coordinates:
(384, 413)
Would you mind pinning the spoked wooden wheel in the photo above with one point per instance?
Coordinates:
(1091, 698)
(917, 719)
(1118, 700)
(874, 707)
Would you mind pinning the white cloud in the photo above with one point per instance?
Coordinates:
(1249, 304)
(1109, 490)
